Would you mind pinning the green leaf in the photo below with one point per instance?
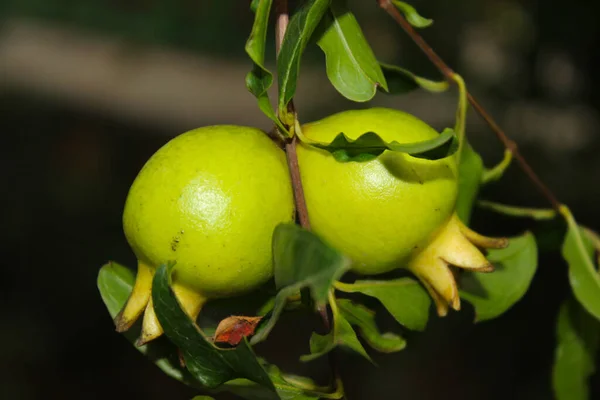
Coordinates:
(364, 319)
(260, 79)
(493, 294)
(578, 250)
(470, 172)
(370, 145)
(539, 214)
(115, 283)
(578, 338)
(203, 398)
(300, 29)
(341, 334)
(404, 299)
(401, 81)
(210, 365)
(411, 15)
(301, 260)
(351, 65)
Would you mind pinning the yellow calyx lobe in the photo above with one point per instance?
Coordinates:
(455, 245)
(140, 301)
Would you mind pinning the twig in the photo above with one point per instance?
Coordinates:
(448, 74)
(292, 159)
(282, 19)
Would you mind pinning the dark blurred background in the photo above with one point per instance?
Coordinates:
(89, 89)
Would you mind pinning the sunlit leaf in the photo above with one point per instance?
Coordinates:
(364, 320)
(260, 79)
(301, 260)
(209, 364)
(401, 80)
(411, 15)
(350, 63)
(493, 294)
(578, 250)
(300, 29)
(470, 172)
(404, 299)
(341, 335)
(578, 337)
(369, 145)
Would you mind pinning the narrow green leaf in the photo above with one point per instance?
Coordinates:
(404, 299)
(300, 29)
(115, 283)
(493, 294)
(470, 171)
(364, 319)
(401, 81)
(539, 214)
(260, 79)
(341, 334)
(578, 338)
(578, 250)
(350, 63)
(301, 260)
(370, 145)
(495, 173)
(411, 15)
(210, 365)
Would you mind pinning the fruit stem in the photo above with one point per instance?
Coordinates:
(448, 73)
(282, 19)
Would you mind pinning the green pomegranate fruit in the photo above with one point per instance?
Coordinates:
(209, 201)
(393, 211)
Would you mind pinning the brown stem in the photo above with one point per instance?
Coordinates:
(448, 73)
(282, 19)
(292, 159)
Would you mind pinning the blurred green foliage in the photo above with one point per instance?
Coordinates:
(176, 23)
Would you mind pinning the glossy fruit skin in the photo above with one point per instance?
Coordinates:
(209, 200)
(383, 211)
